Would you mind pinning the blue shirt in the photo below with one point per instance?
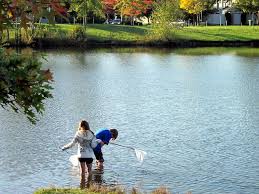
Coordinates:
(104, 135)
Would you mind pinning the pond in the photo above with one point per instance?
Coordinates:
(194, 111)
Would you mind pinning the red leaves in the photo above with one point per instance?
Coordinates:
(109, 6)
(29, 10)
(138, 7)
(57, 7)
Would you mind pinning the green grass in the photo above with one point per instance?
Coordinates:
(219, 33)
(135, 33)
(94, 189)
(99, 190)
(105, 32)
(117, 32)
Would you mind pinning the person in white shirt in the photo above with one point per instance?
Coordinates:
(86, 141)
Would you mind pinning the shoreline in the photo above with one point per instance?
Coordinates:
(87, 44)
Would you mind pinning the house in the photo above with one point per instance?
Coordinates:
(224, 13)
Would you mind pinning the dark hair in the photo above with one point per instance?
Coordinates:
(114, 133)
(83, 125)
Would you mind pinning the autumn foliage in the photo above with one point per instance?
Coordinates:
(108, 6)
(138, 7)
(28, 10)
(192, 6)
(127, 7)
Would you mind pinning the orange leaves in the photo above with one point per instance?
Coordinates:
(137, 7)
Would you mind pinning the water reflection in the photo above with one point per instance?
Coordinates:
(97, 177)
(241, 51)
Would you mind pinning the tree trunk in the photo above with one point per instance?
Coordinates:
(252, 18)
(8, 34)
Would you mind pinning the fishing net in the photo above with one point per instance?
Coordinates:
(140, 154)
(74, 160)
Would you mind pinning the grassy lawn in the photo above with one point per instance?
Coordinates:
(135, 33)
(102, 32)
(219, 33)
(132, 33)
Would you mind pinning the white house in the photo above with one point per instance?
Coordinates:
(226, 14)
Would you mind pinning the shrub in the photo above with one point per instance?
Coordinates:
(79, 33)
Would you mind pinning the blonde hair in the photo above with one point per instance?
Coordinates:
(83, 125)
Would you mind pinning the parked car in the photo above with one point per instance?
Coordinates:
(116, 21)
(108, 21)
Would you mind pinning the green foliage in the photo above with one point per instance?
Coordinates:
(23, 13)
(23, 85)
(93, 189)
(166, 15)
(49, 31)
(247, 5)
(79, 33)
(84, 7)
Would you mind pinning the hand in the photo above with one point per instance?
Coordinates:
(99, 141)
(63, 148)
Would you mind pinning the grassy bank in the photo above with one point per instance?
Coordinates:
(99, 190)
(135, 33)
(103, 33)
(219, 33)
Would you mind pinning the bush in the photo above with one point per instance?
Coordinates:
(79, 33)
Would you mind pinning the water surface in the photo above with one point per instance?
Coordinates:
(194, 111)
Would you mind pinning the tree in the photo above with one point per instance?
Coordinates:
(21, 13)
(194, 6)
(137, 8)
(165, 16)
(23, 85)
(122, 6)
(133, 8)
(108, 7)
(248, 6)
(149, 9)
(86, 7)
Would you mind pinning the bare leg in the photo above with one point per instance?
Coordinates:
(99, 164)
(89, 174)
(82, 172)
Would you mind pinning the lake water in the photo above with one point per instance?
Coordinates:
(194, 111)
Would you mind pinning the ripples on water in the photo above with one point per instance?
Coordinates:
(195, 115)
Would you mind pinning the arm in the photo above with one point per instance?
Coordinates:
(95, 142)
(71, 144)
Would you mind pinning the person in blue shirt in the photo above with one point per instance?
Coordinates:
(105, 135)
